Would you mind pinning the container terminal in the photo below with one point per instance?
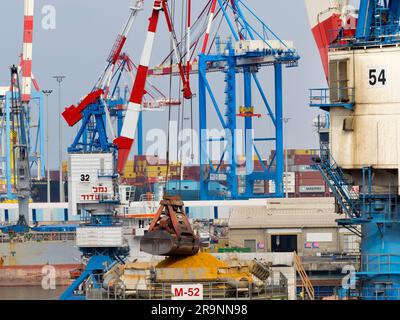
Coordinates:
(234, 214)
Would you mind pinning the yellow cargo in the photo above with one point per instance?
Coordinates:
(303, 152)
(65, 166)
(201, 267)
(153, 175)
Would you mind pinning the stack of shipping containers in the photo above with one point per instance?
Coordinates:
(146, 171)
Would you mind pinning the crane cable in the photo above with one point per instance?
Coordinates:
(180, 112)
(172, 17)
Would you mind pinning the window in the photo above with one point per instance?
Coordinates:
(141, 223)
(283, 243)
(348, 124)
(351, 243)
(338, 81)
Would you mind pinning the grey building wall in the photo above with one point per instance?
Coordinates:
(312, 221)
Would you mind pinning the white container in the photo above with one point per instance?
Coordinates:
(245, 46)
(290, 187)
(86, 171)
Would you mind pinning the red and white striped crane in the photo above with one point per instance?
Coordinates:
(26, 63)
(73, 114)
(125, 141)
(157, 101)
(210, 20)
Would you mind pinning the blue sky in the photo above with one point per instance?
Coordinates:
(85, 31)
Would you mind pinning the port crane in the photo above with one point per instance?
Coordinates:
(171, 229)
(21, 150)
(97, 206)
(362, 91)
(22, 176)
(252, 49)
(74, 114)
(93, 189)
(125, 141)
(104, 103)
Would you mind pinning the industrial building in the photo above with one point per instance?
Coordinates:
(307, 226)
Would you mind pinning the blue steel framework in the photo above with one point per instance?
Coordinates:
(92, 137)
(248, 64)
(101, 259)
(92, 134)
(377, 214)
(36, 139)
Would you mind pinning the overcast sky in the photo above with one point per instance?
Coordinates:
(86, 29)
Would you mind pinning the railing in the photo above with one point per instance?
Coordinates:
(106, 174)
(109, 198)
(275, 287)
(380, 33)
(39, 237)
(147, 197)
(341, 37)
(377, 291)
(305, 280)
(325, 97)
(380, 263)
(340, 186)
(376, 294)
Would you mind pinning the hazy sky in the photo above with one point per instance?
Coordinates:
(86, 29)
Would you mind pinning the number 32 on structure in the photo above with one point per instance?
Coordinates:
(377, 77)
(85, 178)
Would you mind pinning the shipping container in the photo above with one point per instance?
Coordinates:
(310, 182)
(311, 189)
(290, 188)
(303, 160)
(308, 175)
(306, 151)
(303, 168)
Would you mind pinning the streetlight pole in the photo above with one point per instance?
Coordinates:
(285, 121)
(47, 93)
(60, 79)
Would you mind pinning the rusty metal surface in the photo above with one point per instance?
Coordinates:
(170, 232)
(162, 243)
(38, 253)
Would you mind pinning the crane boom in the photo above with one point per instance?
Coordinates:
(126, 140)
(27, 51)
(73, 114)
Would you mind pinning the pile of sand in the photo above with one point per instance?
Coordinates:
(214, 268)
(200, 260)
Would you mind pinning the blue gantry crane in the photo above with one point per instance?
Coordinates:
(253, 47)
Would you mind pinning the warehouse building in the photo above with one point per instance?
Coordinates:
(305, 225)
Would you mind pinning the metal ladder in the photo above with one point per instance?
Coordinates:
(305, 280)
(340, 186)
